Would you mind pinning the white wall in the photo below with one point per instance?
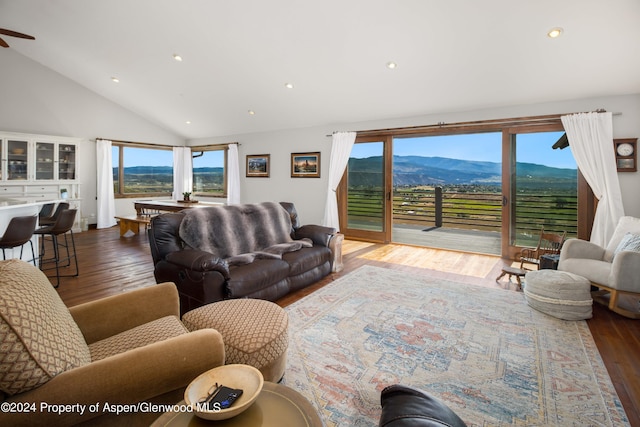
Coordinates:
(309, 194)
(36, 100)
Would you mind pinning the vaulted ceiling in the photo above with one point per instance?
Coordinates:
(238, 55)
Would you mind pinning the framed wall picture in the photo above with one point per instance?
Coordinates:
(258, 165)
(305, 165)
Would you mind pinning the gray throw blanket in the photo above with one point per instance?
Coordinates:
(241, 233)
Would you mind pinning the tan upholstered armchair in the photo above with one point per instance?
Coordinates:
(615, 270)
(123, 349)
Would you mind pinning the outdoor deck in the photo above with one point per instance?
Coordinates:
(482, 242)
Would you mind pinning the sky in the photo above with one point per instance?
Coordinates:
(530, 148)
(151, 157)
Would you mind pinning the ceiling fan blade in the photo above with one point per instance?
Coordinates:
(16, 34)
(3, 43)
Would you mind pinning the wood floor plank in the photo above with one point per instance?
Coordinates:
(110, 265)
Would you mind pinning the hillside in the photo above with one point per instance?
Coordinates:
(418, 170)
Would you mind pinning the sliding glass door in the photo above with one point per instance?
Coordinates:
(540, 187)
(487, 190)
(364, 211)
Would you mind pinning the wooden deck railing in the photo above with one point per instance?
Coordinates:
(435, 207)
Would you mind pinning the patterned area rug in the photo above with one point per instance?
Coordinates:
(484, 352)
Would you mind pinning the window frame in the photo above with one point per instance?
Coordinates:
(225, 169)
(120, 194)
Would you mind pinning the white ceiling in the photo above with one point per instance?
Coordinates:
(452, 55)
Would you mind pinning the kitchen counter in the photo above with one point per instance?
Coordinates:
(20, 206)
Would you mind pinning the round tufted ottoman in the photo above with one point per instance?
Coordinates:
(255, 332)
(559, 293)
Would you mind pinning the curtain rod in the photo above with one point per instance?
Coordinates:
(149, 144)
(443, 125)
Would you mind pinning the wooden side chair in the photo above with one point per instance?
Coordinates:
(548, 244)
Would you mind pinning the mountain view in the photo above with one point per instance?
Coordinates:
(141, 179)
(418, 170)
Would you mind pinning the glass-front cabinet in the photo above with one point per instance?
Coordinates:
(37, 159)
(45, 160)
(17, 160)
(66, 161)
(41, 167)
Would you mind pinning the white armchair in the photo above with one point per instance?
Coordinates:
(615, 270)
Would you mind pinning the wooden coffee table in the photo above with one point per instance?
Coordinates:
(277, 406)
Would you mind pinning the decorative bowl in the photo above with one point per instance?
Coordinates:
(245, 377)
(17, 151)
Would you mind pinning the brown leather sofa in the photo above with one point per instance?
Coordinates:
(214, 271)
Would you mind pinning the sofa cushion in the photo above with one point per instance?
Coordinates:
(149, 333)
(260, 274)
(38, 337)
(306, 259)
(594, 270)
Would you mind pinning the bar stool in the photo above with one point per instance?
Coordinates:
(50, 220)
(62, 226)
(18, 232)
(46, 210)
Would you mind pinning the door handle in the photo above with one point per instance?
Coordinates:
(504, 200)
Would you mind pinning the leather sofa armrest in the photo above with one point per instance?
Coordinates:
(200, 261)
(125, 311)
(319, 234)
(134, 376)
(404, 406)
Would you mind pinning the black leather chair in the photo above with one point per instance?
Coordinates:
(46, 211)
(62, 226)
(50, 220)
(404, 406)
(18, 232)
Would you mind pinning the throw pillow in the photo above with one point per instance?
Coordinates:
(630, 242)
(627, 224)
(38, 337)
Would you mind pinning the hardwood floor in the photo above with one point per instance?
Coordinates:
(110, 265)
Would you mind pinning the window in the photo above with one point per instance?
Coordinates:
(210, 171)
(142, 170)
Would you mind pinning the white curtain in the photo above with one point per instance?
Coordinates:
(233, 176)
(106, 201)
(341, 146)
(591, 141)
(182, 172)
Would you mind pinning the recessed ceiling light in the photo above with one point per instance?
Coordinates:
(177, 57)
(251, 112)
(288, 85)
(115, 79)
(188, 122)
(391, 65)
(555, 32)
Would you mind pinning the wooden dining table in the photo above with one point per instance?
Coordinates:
(144, 206)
